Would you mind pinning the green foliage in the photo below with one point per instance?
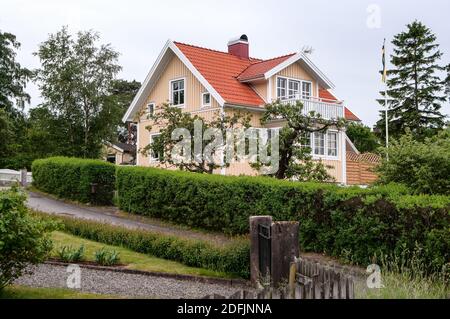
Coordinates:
(422, 166)
(24, 240)
(334, 220)
(76, 81)
(415, 89)
(233, 258)
(73, 179)
(362, 137)
(69, 254)
(106, 257)
(294, 161)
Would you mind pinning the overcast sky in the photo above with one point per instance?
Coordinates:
(346, 35)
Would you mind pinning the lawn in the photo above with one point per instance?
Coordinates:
(22, 292)
(131, 259)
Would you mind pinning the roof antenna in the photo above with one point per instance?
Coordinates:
(306, 49)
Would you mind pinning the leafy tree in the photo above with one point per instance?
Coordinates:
(24, 240)
(295, 161)
(13, 77)
(362, 137)
(170, 118)
(122, 94)
(414, 87)
(423, 166)
(76, 79)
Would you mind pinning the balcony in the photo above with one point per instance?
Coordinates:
(328, 109)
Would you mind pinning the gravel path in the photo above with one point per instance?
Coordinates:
(112, 215)
(122, 284)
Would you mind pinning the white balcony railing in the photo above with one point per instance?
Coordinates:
(326, 108)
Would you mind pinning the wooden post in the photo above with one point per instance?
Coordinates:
(23, 177)
(285, 249)
(255, 272)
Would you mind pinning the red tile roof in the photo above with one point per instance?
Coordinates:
(221, 70)
(257, 70)
(349, 115)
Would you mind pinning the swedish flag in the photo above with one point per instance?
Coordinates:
(383, 52)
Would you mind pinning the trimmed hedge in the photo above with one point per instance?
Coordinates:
(232, 258)
(348, 222)
(72, 178)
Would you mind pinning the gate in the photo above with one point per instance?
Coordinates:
(265, 250)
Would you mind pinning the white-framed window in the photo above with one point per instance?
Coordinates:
(332, 144)
(206, 99)
(281, 88)
(319, 143)
(150, 109)
(154, 155)
(306, 140)
(306, 90)
(293, 88)
(177, 92)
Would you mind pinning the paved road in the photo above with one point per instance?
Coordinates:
(123, 284)
(112, 215)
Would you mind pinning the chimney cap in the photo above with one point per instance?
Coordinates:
(242, 39)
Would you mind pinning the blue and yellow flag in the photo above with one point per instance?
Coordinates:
(383, 52)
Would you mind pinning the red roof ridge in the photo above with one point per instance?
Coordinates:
(217, 51)
(278, 57)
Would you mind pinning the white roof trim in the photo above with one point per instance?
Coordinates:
(325, 82)
(148, 82)
(351, 143)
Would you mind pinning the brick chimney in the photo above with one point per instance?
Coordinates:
(239, 47)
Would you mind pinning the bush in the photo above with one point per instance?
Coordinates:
(73, 179)
(106, 258)
(423, 166)
(69, 254)
(24, 240)
(345, 222)
(232, 258)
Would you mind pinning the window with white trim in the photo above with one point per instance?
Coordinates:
(319, 143)
(306, 90)
(206, 99)
(150, 109)
(281, 88)
(294, 89)
(155, 156)
(332, 138)
(306, 140)
(177, 92)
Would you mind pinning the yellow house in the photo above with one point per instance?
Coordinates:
(209, 83)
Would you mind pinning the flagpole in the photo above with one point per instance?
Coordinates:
(387, 122)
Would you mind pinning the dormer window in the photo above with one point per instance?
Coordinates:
(293, 89)
(177, 92)
(206, 99)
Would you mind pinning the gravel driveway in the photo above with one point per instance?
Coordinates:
(123, 284)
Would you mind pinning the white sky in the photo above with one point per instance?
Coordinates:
(346, 49)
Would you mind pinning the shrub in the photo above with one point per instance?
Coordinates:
(232, 258)
(24, 240)
(423, 166)
(69, 254)
(352, 222)
(105, 257)
(73, 179)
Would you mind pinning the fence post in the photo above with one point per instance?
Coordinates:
(285, 248)
(23, 177)
(255, 221)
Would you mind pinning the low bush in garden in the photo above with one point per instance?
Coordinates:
(106, 257)
(232, 258)
(24, 240)
(83, 180)
(70, 254)
(348, 222)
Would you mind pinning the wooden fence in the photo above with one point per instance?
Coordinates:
(307, 280)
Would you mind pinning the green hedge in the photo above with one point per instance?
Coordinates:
(347, 222)
(233, 258)
(72, 178)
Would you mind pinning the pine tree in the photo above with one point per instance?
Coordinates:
(447, 82)
(415, 90)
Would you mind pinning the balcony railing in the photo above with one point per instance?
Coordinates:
(326, 108)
